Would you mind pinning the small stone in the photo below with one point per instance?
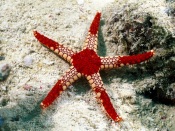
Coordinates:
(28, 60)
(4, 88)
(2, 58)
(68, 26)
(80, 2)
(4, 71)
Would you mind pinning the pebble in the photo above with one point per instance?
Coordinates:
(4, 88)
(28, 60)
(4, 71)
(2, 58)
(80, 2)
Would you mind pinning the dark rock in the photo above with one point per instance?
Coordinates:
(4, 71)
(138, 33)
(2, 58)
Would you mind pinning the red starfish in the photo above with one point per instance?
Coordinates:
(87, 63)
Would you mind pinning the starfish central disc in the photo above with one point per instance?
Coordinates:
(86, 62)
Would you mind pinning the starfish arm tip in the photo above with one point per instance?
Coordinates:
(106, 103)
(42, 105)
(95, 24)
(118, 119)
(153, 52)
(35, 32)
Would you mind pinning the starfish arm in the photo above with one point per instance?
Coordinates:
(92, 38)
(59, 49)
(117, 61)
(70, 76)
(97, 86)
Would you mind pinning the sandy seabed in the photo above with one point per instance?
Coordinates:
(35, 69)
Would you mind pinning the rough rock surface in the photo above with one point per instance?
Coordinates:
(136, 32)
(131, 29)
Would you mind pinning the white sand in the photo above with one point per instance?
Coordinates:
(66, 21)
